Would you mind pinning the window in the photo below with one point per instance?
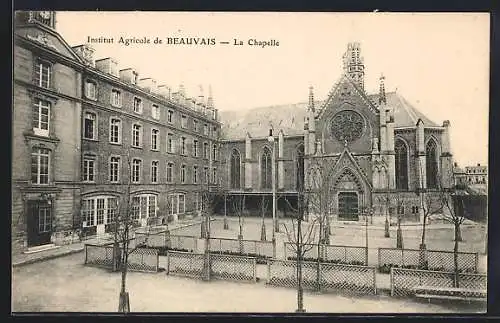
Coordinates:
(155, 136)
(40, 158)
(136, 135)
(184, 121)
(99, 210)
(265, 169)
(137, 105)
(205, 129)
(214, 175)
(154, 171)
(116, 98)
(91, 90)
(136, 170)
(170, 116)
(43, 74)
(401, 165)
(195, 148)
(205, 150)
(183, 145)
(299, 178)
(206, 174)
(214, 132)
(155, 111)
(89, 126)
(183, 174)
(400, 209)
(115, 131)
(214, 152)
(114, 169)
(195, 125)
(144, 206)
(195, 174)
(414, 209)
(88, 169)
(182, 204)
(41, 117)
(431, 163)
(44, 219)
(235, 170)
(170, 143)
(170, 170)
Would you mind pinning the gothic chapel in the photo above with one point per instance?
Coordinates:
(373, 147)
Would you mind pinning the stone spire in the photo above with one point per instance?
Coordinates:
(381, 95)
(182, 90)
(311, 99)
(201, 97)
(353, 64)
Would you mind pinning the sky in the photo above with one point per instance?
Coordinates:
(438, 61)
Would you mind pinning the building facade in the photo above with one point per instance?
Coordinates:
(85, 131)
(364, 149)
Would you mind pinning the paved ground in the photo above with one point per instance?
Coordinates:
(65, 284)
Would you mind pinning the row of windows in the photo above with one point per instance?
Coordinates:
(90, 170)
(100, 210)
(115, 136)
(43, 78)
(138, 107)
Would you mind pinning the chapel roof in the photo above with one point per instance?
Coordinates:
(290, 117)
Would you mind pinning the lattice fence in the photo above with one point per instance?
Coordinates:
(438, 260)
(323, 276)
(185, 264)
(331, 253)
(164, 239)
(99, 255)
(352, 278)
(189, 243)
(140, 259)
(143, 259)
(244, 247)
(403, 281)
(228, 267)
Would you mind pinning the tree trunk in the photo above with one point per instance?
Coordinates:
(124, 303)
(300, 291)
(386, 232)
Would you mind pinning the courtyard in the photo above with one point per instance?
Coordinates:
(43, 286)
(65, 284)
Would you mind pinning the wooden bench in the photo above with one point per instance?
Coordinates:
(450, 293)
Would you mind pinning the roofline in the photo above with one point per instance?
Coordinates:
(260, 138)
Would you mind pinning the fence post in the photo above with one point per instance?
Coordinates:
(345, 255)
(168, 263)
(284, 247)
(318, 277)
(269, 270)
(476, 264)
(402, 257)
(157, 260)
(374, 280)
(392, 281)
(379, 258)
(85, 254)
(254, 270)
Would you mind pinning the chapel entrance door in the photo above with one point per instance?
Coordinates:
(348, 206)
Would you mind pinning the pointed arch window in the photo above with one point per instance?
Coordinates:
(235, 169)
(401, 165)
(431, 163)
(299, 182)
(265, 169)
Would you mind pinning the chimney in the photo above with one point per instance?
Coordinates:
(86, 53)
(107, 65)
(210, 100)
(129, 75)
(148, 83)
(164, 90)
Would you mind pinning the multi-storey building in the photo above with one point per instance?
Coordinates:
(474, 177)
(46, 132)
(373, 147)
(84, 131)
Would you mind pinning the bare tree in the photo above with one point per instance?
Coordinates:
(453, 211)
(125, 222)
(302, 241)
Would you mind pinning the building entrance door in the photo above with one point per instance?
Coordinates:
(348, 206)
(39, 223)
